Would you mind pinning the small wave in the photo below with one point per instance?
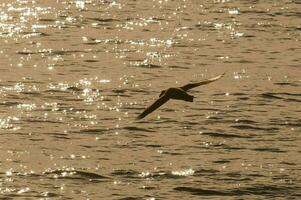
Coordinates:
(288, 163)
(149, 66)
(103, 20)
(270, 96)
(232, 94)
(225, 146)
(274, 150)
(246, 121)
(93, 131)
(157, 174)
(47, 20)
(62, 137)
(91, 61)
(244, 61)
(30, 34)
(10, 103)
(201, 172)
(284, 96)
(32, 93)
(133, 128)
(64, 52)
(296, 1)
(153, 145)
(89, 175)
(42, 121)
(74, 88)
(177, 67)
(167, 174)
(26, 52)
(221, 161)
(55, 91)
(249, 127)
(287, 84)
(269, 190)
(130, 198)
(44, 195)
(125, 173)
(143, 64)
(261, 190)
(289, 123)
(201, 192)
(119, 91)
(225, 135)
(75, 174)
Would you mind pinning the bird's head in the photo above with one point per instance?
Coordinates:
(162, 93)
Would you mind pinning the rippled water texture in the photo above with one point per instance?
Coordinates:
(75, 74)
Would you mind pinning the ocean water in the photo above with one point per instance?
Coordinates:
(75, 74)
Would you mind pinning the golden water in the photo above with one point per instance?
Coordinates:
(75, 74)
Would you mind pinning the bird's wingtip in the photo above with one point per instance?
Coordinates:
(222, 75)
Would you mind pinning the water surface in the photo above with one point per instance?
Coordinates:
(75, 74)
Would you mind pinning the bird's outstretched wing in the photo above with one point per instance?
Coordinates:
(193, 85)
(159, 102)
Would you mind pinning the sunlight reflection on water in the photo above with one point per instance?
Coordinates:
(76, 73)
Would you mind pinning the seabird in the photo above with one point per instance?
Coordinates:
(179, 93)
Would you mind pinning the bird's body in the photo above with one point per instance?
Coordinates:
(179, 93)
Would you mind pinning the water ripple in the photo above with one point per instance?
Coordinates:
(259, 190)
(74, 174)
(76, 73)
(284, 96)
(224, 135)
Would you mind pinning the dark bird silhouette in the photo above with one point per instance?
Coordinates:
(179, 93)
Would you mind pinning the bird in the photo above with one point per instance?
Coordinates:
(178, 93)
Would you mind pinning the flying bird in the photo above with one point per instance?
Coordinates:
(179, 93)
